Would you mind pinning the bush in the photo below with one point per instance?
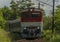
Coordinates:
(15, 36)
(4, 36)
(49, 37)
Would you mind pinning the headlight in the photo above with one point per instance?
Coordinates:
(25, 31)
(38, 28)
(25, 28)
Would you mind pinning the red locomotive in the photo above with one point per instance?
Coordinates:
(31, 23)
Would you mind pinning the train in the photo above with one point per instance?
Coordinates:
(31, 23)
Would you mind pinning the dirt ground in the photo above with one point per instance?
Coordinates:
(36, 40)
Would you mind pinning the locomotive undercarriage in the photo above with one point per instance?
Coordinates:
(31, 29)
(31, 33)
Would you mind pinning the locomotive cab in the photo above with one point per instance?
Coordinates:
(31, 23)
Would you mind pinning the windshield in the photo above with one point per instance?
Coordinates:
(26, 15)
(35, 15)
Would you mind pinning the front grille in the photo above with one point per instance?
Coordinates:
(32, 33)
(33, 27)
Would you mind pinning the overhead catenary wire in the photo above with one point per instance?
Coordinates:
(46, 3)
(53, 6)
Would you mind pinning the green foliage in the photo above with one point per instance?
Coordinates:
(4, 36)
(56, 34)
(57, 18)
(8, 14)
(13, 12)
(18, 6)
(15, 36)
(47, 35)
(25, 4)
(56, 38)
(2, 20)
(47, 22)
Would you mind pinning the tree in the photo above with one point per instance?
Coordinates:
(13, 12)
(2, 20)
(47, 22)
(8, 13)
(57, 18)
(20, 5)
(5, 11)
(25, 4)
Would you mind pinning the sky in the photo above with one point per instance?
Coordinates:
(4, 3)
(45, 7)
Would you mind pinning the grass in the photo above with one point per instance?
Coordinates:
(4, 36)
(56, 37)
(49, 38)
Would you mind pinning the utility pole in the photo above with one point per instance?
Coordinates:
(38, 4)
(53, 17)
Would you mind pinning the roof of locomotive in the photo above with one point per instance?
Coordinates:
(13, 21)
(31, 10)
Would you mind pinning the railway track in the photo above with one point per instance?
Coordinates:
(36, 40)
